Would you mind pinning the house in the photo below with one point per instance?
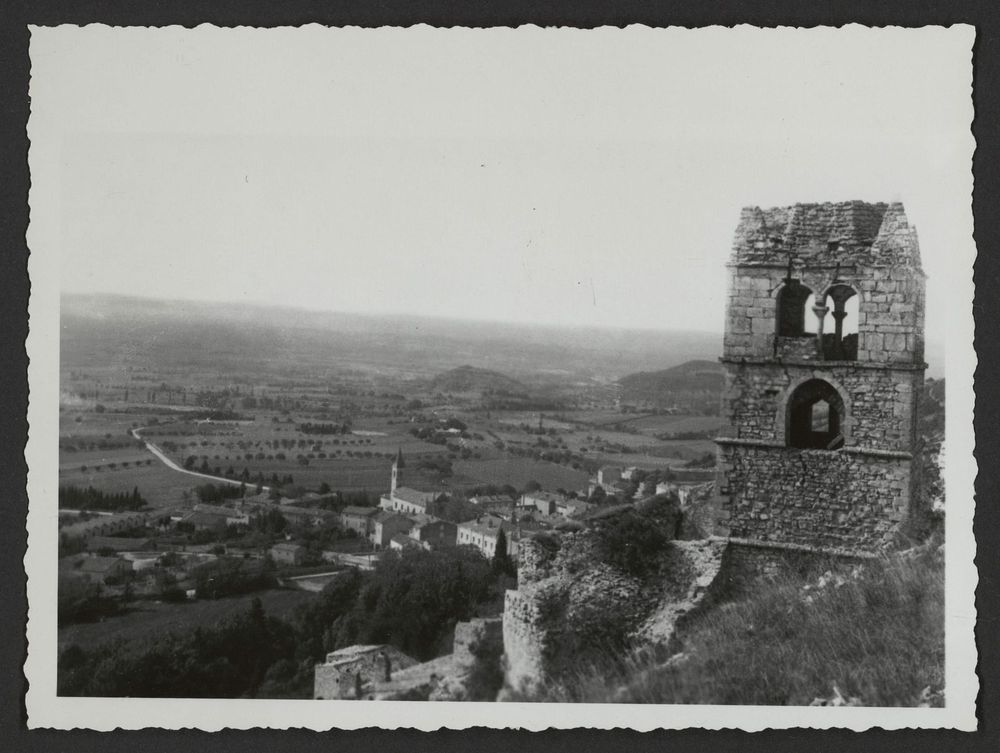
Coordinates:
(313, 516)
(435, 534)
(353, 671)
(387, 524)
(288, 553)
(358, 519)
(573, 507)
(206, 521)
(498, 504)
(544, 502)
(231, 515)
(482, 533)
(666, 487)
(400, 541)
(629, 472)
(102, 569)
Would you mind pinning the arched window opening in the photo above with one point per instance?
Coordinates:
(839, 324)
(791, 314)
(815, 417)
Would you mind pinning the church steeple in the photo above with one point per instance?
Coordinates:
(397, 469)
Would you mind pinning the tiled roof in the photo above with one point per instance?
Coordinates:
(359, 511)
(385, 515)
(413, 496)
(403, 540)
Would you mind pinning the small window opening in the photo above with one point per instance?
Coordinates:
(821, 417)
(791, 319)
(815, 417)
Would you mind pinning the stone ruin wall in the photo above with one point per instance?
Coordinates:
(524, 641)
(337, 681)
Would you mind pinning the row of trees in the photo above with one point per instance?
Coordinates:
(77, 498)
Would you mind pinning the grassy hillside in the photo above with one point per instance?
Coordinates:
(873, 637)
(697, 382)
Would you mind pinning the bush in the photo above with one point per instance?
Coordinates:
(632, 543)
(486, 677)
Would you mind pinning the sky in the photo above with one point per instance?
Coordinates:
(555, 176)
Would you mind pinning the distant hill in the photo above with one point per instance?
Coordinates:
(473, 379)
(695, 383)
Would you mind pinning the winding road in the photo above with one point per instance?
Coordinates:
(165, 459)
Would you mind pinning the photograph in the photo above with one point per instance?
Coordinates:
(464, 372)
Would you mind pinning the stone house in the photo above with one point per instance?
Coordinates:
(206, 521)
(435, 534)
(358, 519)
(387, 524)
(357, 668)
(288, 553)
(482, 533)
(544, 502)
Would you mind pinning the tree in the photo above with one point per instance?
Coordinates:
(502, 564)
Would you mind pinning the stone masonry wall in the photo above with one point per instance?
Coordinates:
(881, 403)
(524, 641)
(832, 500)
(890, 320)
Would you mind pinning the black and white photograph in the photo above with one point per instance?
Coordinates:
(423, 377)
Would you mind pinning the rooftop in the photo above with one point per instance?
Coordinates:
(359, 511)
(413, 496)
(841, 232)
(288, 546)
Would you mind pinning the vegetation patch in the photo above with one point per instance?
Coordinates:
(875, 635)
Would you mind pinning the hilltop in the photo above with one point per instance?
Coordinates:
(474, 379)
(684, 383)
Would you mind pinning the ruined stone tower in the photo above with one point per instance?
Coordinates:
(824, 360)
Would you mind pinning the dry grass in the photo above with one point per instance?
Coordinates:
(878, 637)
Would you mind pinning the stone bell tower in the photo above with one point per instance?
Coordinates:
(824, 360)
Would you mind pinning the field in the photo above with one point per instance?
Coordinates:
(519, 471)
(152, 619)
(159, 485)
